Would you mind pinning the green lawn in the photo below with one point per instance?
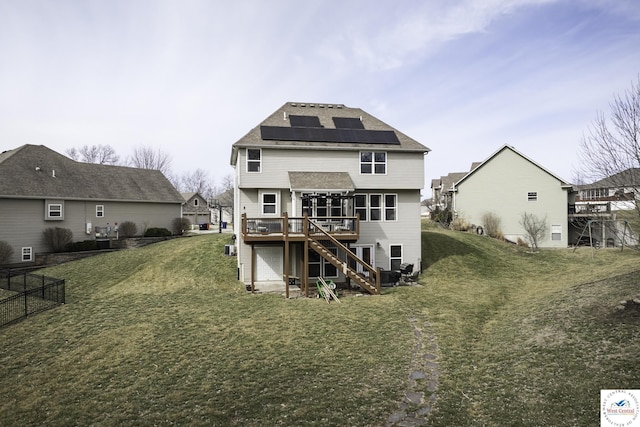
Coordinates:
(164, 335)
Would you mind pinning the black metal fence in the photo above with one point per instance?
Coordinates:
(25, 294)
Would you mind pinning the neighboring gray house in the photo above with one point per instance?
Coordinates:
(196, 209)
(509, 184)
(441, 189)
(325, 190)
(41, 189)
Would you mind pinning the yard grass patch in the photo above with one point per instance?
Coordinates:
(165, 335)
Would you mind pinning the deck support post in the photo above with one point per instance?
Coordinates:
(253, 268)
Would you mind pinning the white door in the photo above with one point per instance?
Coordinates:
(365, 253)
(268, 263)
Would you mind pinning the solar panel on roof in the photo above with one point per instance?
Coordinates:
(304, 121)
(347, 123)
(316, 134)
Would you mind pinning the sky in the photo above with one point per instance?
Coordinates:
(192, 77)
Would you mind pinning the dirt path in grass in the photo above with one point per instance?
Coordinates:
(420, 394)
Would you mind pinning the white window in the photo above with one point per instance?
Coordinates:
(373, 162)
(269, 203)
(27, 254)
(360, 206)
(254, 160)
(395, 256)
(319, 267)
(532, 196)
(335, 203)
(99, 211)
(195, 202)
(375, 207)
(390, 207)
(321, 206)
(556, 232)
(55, 211)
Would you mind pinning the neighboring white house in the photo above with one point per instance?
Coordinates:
(508, 184)
(595, 216)
(325, 190)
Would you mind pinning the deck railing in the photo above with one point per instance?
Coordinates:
(291, 226)
(590, 208)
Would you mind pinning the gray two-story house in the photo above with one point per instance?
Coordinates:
(40, 189)
(325, 190)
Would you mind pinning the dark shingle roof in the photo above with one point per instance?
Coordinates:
(35, 171)
(328, 181)
(626, 178)
(325, 114)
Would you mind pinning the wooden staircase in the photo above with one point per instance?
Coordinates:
(357, 270)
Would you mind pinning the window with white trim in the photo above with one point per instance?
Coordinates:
(360, 206)
(556, 232)
(532, 196)
(195, 202)
(319, 267)
(254, 160)
(335, 205)
(375, 207)
(594, 193)
(27, 254)
(373, 162)
(395, 256)
(99, 211)
(55, 211)
(390, 207)
(269, 203)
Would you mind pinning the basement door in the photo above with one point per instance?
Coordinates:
(365, 253)
(269, 261)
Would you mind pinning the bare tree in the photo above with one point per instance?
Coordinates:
(492, 224)
(223, 195)
(611, 148)
(534, 227)
(100, 154)
(197, 181)
(146, 157)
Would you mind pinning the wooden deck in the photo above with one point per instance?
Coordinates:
(287, 228)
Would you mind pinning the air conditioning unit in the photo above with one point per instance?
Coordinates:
(230, 250)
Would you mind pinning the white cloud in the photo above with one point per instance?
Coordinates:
(193, 77)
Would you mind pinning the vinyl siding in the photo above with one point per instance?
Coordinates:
(404, 231)
(404, 170)
(501, 186)
(22, 221)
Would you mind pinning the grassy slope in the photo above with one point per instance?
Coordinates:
(528, 339)
(165, 335)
